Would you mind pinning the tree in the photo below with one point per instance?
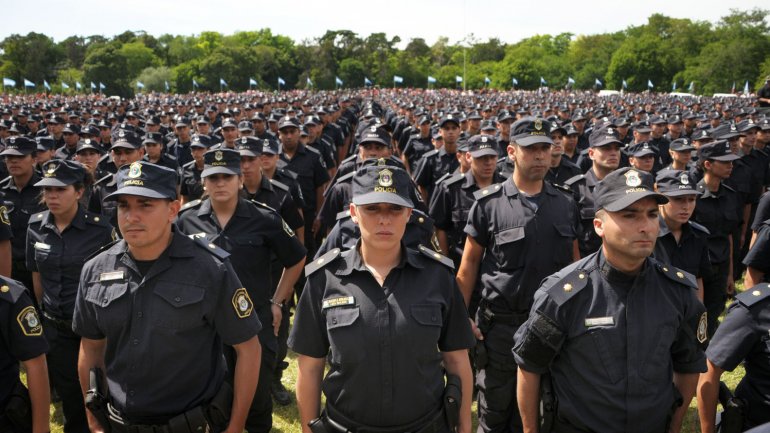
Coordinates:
(155, 79)
(105, 64)
(137, 58)
(33, 57)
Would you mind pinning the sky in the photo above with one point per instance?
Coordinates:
(510, 20)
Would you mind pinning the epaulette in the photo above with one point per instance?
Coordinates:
(313, 149)
(699, 227)
(4, 182)
(420, 217)
(169, 156)
(454, 179)
(677, 275)
(289, 173)
(345, 177)
(263, 205)
(348, 159)
(342, 215)
(95, 219)
(569, 285)
(574, 179)
(322, 261)
(191, 204)
(431, 153)
(443, 177)
(444, 260)
(754, 294)
(100, 250)
(279, 185)
(211, 247)
(188, 164)
(488, 191)
(501, 159)
(562, 188)
(728, 187)
(103, 179)
(38, 217)
(11, 290)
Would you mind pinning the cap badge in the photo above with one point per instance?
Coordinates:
(484, 139)
(243, 140)
(218, 155)
(684, 179)
(373, 128)
(386, 178)
(610, 131)
(632, 178)
(135, 170)
(51, 168)
(538, 124)
(121, 133)
(381, 162)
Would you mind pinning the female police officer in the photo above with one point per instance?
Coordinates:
(386, 316)
(250, 233)
(58, 242)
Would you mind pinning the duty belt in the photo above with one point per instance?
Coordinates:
(497, 317)
(338, 423)
(60, 324)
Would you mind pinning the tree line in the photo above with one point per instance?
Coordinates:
(670, 53)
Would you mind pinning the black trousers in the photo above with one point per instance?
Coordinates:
(715, 294)
(63, 373)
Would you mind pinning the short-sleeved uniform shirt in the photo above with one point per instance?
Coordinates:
(689, 254)
(383, 342)
(20, 206)
(416, 147)
(252, 234)
(289, 178)
(720, 213)
(21, 333)
(164, 330)
(277, 195)
(743, 338)
(612, 342)
(59, 256)
(311, 173)
(101, 189)
(524, 242)
(583, 190)
(192, 186)
(563, 172)
(432, 166)
(758, 256)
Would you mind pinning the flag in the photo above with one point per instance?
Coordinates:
(692, 87)
(167, 86)
(195, 84)
(673, 87)
(397, 79)
(542, 81)
(515, 81)
(78, 85)
(93, 86)
(487, 80)
(570, 80)
(9, 82)
(222, 82)
(625, 84)
(140, 85)
(746, 88)
(649, 84)
(598, 82)
(28, 83)
(732, 89)
(281, 81)
(309, 83)
(367, 82)
(101, 86)
(48, 86)
(431, 80)
(64, 85)
(458, 79)
(252, 82)
(337, 81)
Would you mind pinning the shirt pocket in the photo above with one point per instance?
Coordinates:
(180, 307)
(345, 335)
(46, 257)
(658, 360)
(596, 343)
(426, 332)
(112, 304)
(509, 247)
(565, 236)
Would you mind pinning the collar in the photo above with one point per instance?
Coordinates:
(614, 276)
(181, 246)
(78, 221)
(353, 261)
(241, 209)
(664, 230)
(470, 180)
(706, 193)
(511, 190)
(591, 179)
(265, 184)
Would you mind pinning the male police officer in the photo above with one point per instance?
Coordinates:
(519, 232)
(618, 331)
(154, 311)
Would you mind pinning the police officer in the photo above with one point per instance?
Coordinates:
(642, 156)
(618, 331)
(418, 145)
(562, 169)
(681, 154)
(21, 199)
(58, 242)
(191, 186)
(717, 209)
(22, 340)
(681, 242)
(508, 227)
(453, 198)
(604, 152)
(269, 161)
(740, 339)
(385, 343)
(153, 151)
(159, 295)
(436, 163)
(250, 232)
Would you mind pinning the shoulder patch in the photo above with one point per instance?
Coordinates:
(279, 185)
(446, 261)
(677, 275)
(322, 261)
(10, 290)
(191, 204)
(29, 322)
(572, 283)
(753, 295)
(488, 191)
(342, 215)
(211, 248)
(574, 179)
(242, 303)
(699, 227)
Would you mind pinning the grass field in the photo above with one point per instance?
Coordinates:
(286, 418)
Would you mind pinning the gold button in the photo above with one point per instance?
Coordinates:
(485, 192)
(437, 255)
(421, 220)
(568, 287)
(5, 289)
(582, 276)
(96, 219)
(39, 216)
(319, 261)
(680, 275)
(665, 269)
(755, 292)
(212, 246)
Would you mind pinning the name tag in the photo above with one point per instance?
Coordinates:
(338, 302)
(599, 321)
(42, 247)
(111, 276)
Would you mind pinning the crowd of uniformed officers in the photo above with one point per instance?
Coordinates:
(561, 258)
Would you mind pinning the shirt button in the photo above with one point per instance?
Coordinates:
(131, 393)
(105, 301)
(334, 321)
(135, 342)
(140, 314)
(178, 299)
(432, 318)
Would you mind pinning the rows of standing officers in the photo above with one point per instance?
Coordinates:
(563, 261)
